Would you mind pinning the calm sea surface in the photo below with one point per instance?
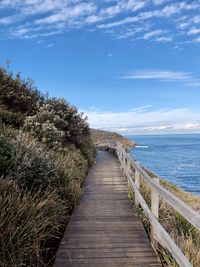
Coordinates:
(173, 157)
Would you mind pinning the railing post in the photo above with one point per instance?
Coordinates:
(124, 161)
(155, 210)
(137, 183)
(128, 166)
(121, 158)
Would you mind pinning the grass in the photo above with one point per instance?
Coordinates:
(32, 221)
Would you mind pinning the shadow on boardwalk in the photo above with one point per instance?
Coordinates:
(104, 229)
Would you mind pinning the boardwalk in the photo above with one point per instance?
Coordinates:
(104, 229)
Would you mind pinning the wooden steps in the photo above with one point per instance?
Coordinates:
(104, 230)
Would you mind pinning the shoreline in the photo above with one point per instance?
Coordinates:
(174, 159)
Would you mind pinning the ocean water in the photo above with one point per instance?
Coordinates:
(173, 157)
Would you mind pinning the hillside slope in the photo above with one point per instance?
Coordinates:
(99, 136)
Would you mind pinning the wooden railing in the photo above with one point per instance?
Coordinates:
(134, 173)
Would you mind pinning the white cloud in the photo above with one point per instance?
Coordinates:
(183, 25)
(164, 39)
(152, 34)
(196, 19)
(193, 84)
(50, 45)
(20, 32)
(7, 20)
(68, 14)
(193, 31)
(130, 5)
(130, 31)
(166, 12)
(140, 121)
(196, 40)
(58, 16)
(164, 75)
(30, 7)
(160, 2)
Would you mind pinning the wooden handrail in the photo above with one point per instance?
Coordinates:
(158, 233)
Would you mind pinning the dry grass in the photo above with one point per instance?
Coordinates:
(27, 223)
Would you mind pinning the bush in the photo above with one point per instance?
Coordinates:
(18, 95)
(6, 156)
(57, 124)
(33, 167)
(7, 117)
(46, 127)
(27, 223)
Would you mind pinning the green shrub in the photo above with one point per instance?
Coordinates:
(58, 124)
(6, 156)
(7, 117)
(18, 95)
(44, 127)
(34, 167)
(27, 223)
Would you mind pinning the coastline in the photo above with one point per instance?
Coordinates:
(174, 158)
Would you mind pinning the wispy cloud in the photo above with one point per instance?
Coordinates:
(144, 120)
(160, 2)
(164, 39)
(151, 34)
(196, 40)
(115, 17)
(8, 20)
(193, 84)
(68, 14)
(193, 31)
(163, 75)
(50, 45)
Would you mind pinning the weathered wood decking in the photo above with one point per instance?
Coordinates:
(104, 229)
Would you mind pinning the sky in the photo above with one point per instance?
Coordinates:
(130, 66)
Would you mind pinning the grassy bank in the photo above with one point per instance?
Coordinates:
(182, 232)
(45, 152)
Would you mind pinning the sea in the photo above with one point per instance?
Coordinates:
(175, 158)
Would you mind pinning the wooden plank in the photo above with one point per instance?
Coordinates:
(104, 229)
(93, 254)
(134, 261)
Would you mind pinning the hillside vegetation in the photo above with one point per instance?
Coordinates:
(99, 136)
(45, 152)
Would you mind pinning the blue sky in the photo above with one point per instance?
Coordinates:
(131, 66)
